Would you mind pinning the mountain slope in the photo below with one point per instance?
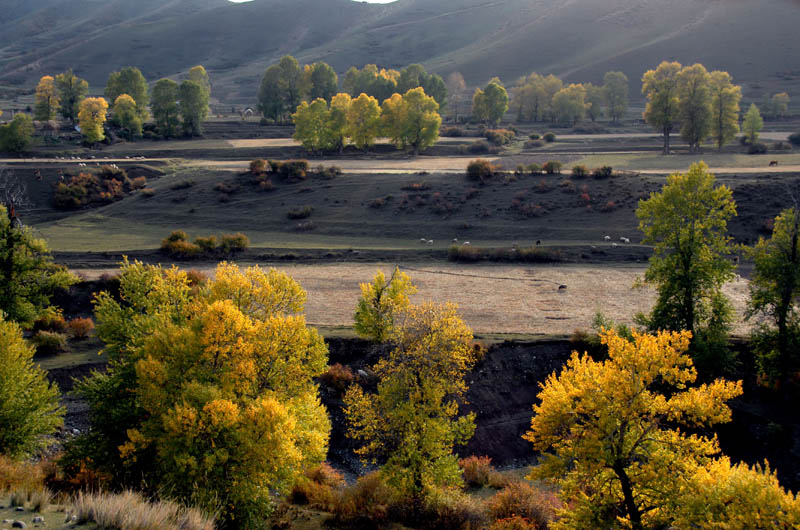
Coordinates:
(577, 39)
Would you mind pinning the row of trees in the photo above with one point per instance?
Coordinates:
(176, 107)
(545, 98)
(410, 120)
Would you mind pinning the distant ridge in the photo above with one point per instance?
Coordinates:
(755, 40)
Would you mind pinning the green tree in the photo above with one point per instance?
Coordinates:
(363, 121)
(72, 90)
(199, 75)
(615, 89)
(129, 81)
(29, 406)
(569, 104)
(752, 124)
(47, 101)
(193, 107)
(280, 89)
(411, 120)
(663, 104)
(533, 96)
(774, 289)
(415, 75)
(27, 272)
(92, 117)
(337, 120)
(125, 116)
(491, 103)
(694, 99)
(412, 423)
(780, 104)
(17, 135)
(595, 99)
(380, 302)
(725, 97)
(319, 80)
(312, 125)
(687, 225)
(613, 433)
(165, 107)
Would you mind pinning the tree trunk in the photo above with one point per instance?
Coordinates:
(787, 292)
(627, 494)
(666, 141)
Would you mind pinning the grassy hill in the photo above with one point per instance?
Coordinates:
(753, 39)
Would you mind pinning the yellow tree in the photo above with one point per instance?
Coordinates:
(412, 422)
(663, 106)
(47, 100)
(126, 117)
(199, 75)
(725, 97)
(609, 430)
(380, 302)
(92, 117)
(312, 125)
(752, 124)
(337, 120)
(412, 120)
(694, 97)
(363, 121)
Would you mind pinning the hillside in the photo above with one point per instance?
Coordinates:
(753, 39)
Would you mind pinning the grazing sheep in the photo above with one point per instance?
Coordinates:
(430, 241)
(606, 238)
(423, 240)
(625, 240)
(773, 163)
(466, 243)
(455, 240)
(614, 245)
(562, 287)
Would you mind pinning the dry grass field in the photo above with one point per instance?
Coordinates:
(492, 298)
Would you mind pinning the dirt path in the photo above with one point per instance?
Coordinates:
(492, 298)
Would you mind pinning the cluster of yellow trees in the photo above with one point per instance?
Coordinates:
(410, 120)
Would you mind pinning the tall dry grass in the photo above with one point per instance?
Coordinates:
(130, 511)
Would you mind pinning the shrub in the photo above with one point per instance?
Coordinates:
(129, 511)
(290, 170)
(794, 139)
(108, 172)
(480, 147)
(580, 171)
(499, 136)
(318, 488)
(552, 167)
(79, 328)
(206, 244)
(327, 173)
(480, 169)
(464, 253)
(338, 377)
(50, 320)
(176, 235)
(138, 183)
(180, 249)
(757, 148)
(567, 186)
(781, 146)
(533, 144)
(226, 187)
(266, 185)
(148, 192)
(50, 342)
(258, 167)
(549, 137)
(182, 184)
(602, 172)
(301, 212)
(232, 243)
(515, 523)
(370, 499)
(452, 132)
(416, 186)
(534, 136)
(196, 277)
(522, 499)
(534, 168)
(476, 470)
(451, 509)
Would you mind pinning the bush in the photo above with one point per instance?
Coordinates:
(480, 147)
(477, 470)
(196, 277)
(534, 136)
(318, 488)
(338, 377)
(452, 510)
(180, 249)
(552, 167)
(480, 169)
(515, 523)
(327, 173)
(533, 144)
(79, 328)
(182, 184)
(258, 167)
(50, 320)
(794, 139)
(266, 185)
(206, 244)
(522, 499)
(232, 243)
(757, 148)
(50, 342)
(290, 170)
(176, 235)
(148, 192)
(138, 183)
(534, 169)
(580, 171)
(301, 212)
(452, 132)
(108, 172)
(499, 136)
(369, 500)
(549, 137)
(464, 253)
(603, 172)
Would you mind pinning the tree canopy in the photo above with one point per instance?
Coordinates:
(92, 117)
(380, 302)
(72, 90)
(17, 135)
(129, 81)
(165, 107)
(615, 89)
(411, 120)
(47, 101)
(663, 103)
(725, 97)
(491, 103)
(126, 117)
(752, 124)
(193, 107)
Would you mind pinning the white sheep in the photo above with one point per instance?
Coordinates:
(614, 245)
(430, 241)
(455, 240)
(466, 243)
(625, 240)
(423, 240)
(606, 238)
